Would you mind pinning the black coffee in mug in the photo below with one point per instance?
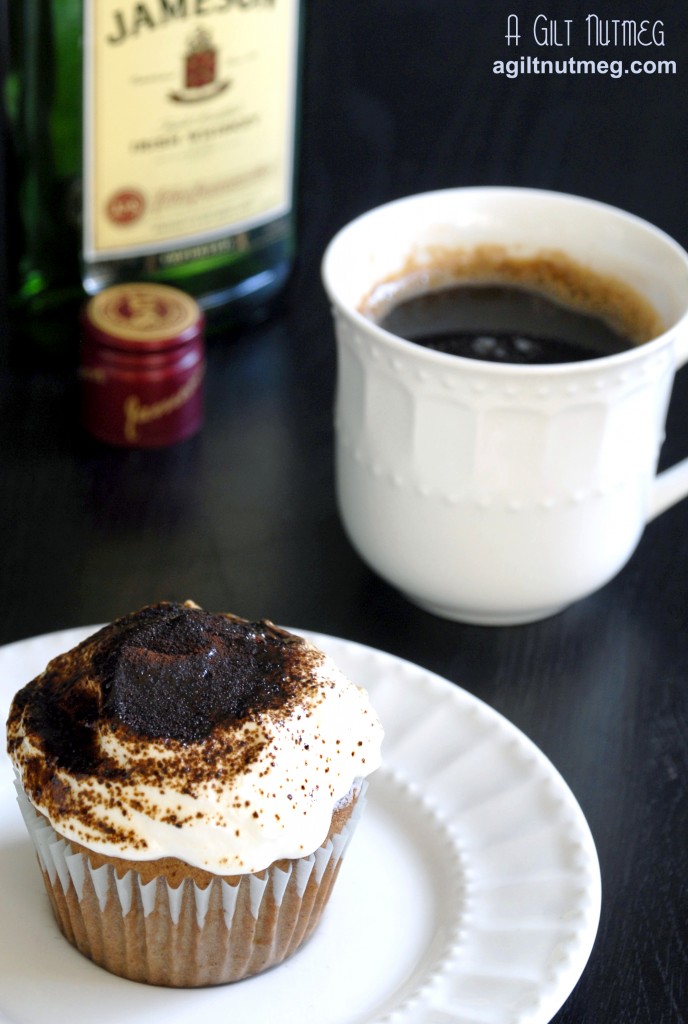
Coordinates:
(539, 311)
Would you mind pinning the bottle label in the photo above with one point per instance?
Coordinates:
(188, 121)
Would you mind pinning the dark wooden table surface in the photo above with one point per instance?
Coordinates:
(401, 97)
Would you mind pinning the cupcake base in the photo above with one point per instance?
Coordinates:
(170, 924)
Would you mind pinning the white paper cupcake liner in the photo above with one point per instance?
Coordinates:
(189, 935)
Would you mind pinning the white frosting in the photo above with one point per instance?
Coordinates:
(279, 805)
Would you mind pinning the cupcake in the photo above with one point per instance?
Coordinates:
(190, 782)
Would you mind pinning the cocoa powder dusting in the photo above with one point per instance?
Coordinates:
(171, 674)
(177, 672)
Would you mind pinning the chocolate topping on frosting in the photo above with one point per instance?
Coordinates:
(179, 732)
(176, 672)
(169, 672)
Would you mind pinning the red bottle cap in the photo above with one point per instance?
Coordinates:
(142, 365)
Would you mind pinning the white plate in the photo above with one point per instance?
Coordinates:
(470, 894)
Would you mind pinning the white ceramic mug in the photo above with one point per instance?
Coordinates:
(493, 493)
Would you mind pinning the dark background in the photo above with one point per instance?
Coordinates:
(399, 97)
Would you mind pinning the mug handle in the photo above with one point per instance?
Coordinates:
(671, 485)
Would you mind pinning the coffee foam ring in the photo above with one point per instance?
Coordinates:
(187, 936)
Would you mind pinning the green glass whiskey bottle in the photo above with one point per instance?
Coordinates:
(153, 141)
